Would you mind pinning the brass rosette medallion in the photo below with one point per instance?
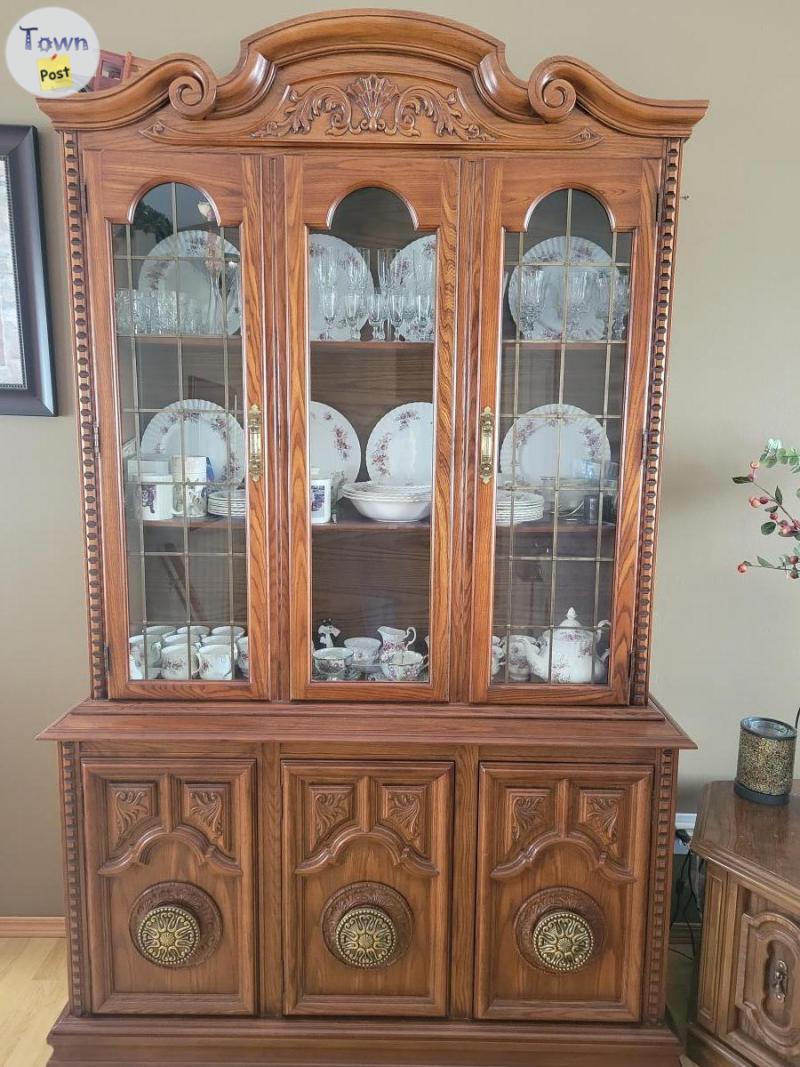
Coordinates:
(175, 924)
(560, 930)
(367, 925)
(365, 937)
(563, 941)
(168, 935)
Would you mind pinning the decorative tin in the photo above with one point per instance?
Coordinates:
(766, 760)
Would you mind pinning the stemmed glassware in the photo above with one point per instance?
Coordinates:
(531, 293)
(325, 268)
(356, 270)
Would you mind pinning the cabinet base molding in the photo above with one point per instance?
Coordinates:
(341, 1043)
(706, 1051)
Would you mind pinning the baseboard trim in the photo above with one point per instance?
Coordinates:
(32, 926)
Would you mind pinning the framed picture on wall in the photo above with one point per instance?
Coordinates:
(26, 359)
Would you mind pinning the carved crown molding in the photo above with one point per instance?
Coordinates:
(191, 91)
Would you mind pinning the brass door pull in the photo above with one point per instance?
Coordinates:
(779, 980)
(487, 445)
(255, 460)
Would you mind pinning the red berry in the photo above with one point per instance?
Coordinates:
(742, 568)
(763, 500)
(754, 465)
(754, 502)
(794, 574)
(794, 559)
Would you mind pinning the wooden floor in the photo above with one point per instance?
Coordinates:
(33, 990)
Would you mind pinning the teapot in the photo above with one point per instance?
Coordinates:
(565, 653)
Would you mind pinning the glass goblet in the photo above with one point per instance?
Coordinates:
(376, 313)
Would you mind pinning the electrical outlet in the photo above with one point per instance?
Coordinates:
(684, 821)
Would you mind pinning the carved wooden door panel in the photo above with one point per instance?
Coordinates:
(563, 858)
(170, 885)
(366, 887)
(766, 993)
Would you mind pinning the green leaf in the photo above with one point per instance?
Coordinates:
(767, 527)
(778, 495)
(765, 563)
(770, 461)
(742, 479)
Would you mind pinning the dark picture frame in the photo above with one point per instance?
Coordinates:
(27, 385)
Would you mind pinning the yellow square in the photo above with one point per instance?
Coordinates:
(55, 73)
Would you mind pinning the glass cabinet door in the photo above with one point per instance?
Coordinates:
(373, 372)
(555, 473)
(178, 311)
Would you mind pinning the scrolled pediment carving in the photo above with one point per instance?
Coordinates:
(374, 104)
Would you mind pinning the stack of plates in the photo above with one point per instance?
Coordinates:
(224, 502)
(527, 507)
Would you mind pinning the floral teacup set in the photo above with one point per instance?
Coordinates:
(178, 655)
(389, 657)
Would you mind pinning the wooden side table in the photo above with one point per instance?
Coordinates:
(748, 1006)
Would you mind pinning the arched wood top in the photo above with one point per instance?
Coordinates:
(462, 77)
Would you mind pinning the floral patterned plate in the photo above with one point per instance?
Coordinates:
(192, 263)
(333, 444)
(208, 430)
(589, 321)
(400, 447)
(531, 450)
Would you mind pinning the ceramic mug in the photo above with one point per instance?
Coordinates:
(139, 647)
(173, 640)
(159, 631)
(226, 632)
(216, 662)
(332, 663)
(404, 666)
(243, 658)
(365, 649)
(179, 662)
(155, 497)
(516, 649)
(395, 640)
(189, 474)
(195, 631)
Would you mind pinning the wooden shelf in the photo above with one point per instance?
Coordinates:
(592, 345)
(209, 522)
(200, 340)
(375, 348)
(350, 520)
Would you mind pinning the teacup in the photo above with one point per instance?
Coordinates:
(179, 662)
(243, 659)
(516, 649)
(226, 631)
(404, 666)
(140, 647)
(159, 631)
(171, 640)
(395, 640)
(196, 631)
(498, 655)
(332, 663)
(216, 662)
(365, 649)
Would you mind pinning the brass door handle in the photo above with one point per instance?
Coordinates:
(255, 461)
(487, 445)
(779, 980)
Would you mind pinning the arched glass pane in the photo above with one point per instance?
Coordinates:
(566, 290)
(178, 322)
(372, 286)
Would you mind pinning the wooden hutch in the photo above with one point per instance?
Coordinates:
(369, 254)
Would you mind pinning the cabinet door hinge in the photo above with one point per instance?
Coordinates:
(84, 199)
(106, 658)
(96, 438)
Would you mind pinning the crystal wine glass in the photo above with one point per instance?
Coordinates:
(326, 278)
(531, 291)
(376, 313)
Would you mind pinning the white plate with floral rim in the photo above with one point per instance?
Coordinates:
(589, 321)
(198, 428)
(317, 326)
(193, 264)
(409, 265)
(400, 447)
(333, 444)
(531, 450)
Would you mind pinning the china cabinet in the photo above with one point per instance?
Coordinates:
(370, 340)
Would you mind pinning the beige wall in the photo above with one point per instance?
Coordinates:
(722, 643)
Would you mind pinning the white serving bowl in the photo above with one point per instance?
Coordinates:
(389, 503)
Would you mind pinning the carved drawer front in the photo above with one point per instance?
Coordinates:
(563, 863)
(366, 887)
(767, 987)
(169, 856)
